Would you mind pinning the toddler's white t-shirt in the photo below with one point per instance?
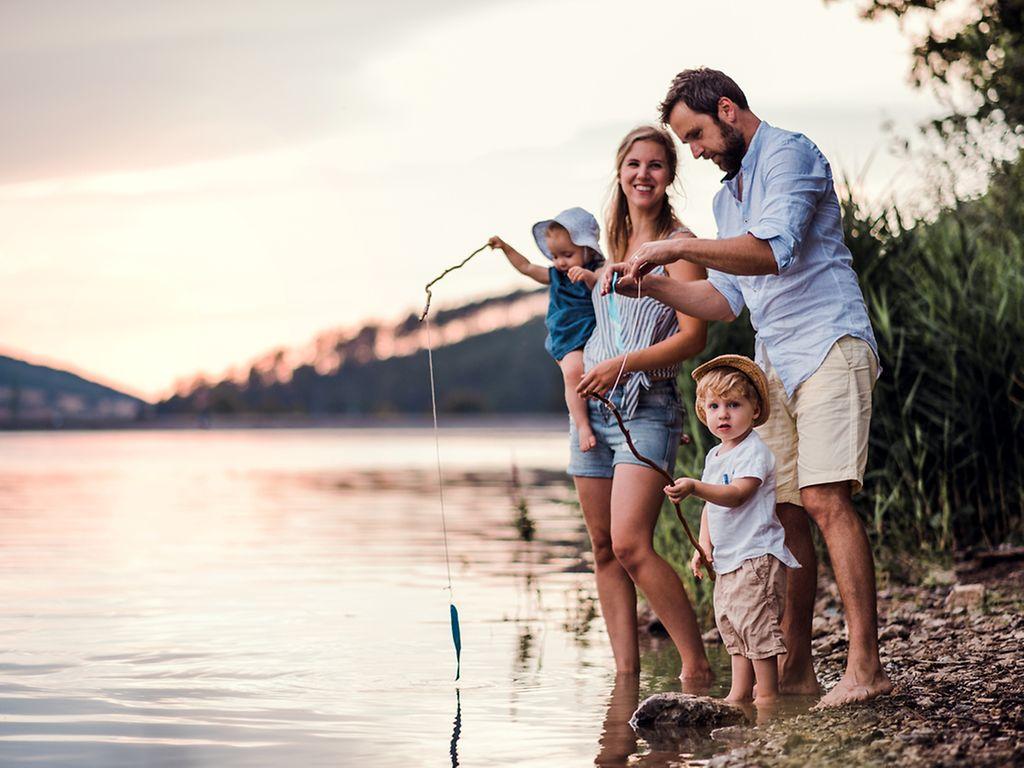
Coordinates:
(751, 529)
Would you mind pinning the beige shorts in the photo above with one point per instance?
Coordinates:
(748, 608)
(820, 434)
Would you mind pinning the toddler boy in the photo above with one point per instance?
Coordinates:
(739, 527)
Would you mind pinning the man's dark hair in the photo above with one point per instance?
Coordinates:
(700, 90)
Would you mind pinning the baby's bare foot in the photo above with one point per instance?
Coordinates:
(587, 439)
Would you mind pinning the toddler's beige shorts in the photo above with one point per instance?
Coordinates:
(748, 608)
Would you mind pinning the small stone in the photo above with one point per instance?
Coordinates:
(894, 632)
(969, 596)
(730, 734)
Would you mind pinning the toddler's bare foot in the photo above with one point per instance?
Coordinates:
(849, 691)
(587, 439)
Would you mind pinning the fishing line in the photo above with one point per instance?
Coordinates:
(453, 611)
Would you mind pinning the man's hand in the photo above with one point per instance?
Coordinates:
(496, 243)
(600, 378)
(680, 489)
(696, 564)
(653, 254)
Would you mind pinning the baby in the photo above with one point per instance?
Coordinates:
(739, 526)
(570, 240)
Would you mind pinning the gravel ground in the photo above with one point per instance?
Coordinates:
(955, 652)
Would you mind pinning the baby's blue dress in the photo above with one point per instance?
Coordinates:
(570, 319)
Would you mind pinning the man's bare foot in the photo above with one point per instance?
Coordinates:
(587, 439)
(738, 698)
(798, 682)
(849, 691)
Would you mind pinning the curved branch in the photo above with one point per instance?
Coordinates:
(450, 269)
(679, 512)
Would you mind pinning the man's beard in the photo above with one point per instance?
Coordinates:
(735, 148)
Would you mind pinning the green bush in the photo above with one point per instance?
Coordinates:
(946, 299)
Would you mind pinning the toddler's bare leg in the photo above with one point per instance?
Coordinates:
(742, 680)
(572, 372)
(766, 672)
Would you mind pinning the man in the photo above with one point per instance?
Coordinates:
(780, 252)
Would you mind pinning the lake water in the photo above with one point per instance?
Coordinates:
(278, 597)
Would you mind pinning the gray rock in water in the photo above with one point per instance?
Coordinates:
(682, 710)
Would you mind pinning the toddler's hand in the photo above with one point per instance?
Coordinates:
(695, 565)
(496, 242)
(680, 489)
(575, 274)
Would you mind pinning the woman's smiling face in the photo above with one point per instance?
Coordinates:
(644, 174)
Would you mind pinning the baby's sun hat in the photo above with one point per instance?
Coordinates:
(748, 368)
(581, 226)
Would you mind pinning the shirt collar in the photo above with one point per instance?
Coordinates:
(749, 157)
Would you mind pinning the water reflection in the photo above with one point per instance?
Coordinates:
(456, 730)
(618, 742)
(276, 598)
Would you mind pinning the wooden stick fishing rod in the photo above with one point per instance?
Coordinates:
(679, 512)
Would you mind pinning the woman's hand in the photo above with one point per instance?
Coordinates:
(680, 489)
(600, 378)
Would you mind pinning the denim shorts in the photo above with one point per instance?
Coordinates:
(656, 427)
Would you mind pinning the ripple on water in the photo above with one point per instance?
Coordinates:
(274, 598)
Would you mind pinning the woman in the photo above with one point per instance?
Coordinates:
(621, 497)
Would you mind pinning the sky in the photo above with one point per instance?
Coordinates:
(185, 186)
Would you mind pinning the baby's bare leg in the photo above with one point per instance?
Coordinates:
(766, 672)
(742, 680)
(572, 372)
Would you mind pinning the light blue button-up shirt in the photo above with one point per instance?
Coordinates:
(790, 201)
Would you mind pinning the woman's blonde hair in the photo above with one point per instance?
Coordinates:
(618, 227)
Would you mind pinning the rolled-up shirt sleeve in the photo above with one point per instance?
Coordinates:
(796, 176)
(729, 287)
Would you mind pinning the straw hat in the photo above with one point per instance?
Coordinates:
(748, 368)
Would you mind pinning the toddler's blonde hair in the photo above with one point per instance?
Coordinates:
(722, 382)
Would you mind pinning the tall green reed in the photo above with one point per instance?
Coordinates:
(946, 299)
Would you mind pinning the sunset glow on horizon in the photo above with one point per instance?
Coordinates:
(189, 187)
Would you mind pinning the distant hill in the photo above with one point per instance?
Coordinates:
(488, 358)
(38, 396)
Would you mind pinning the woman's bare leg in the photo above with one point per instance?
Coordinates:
(635, 504)
(572, 372)
(615, 589)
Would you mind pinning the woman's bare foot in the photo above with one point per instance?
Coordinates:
(738, 698)
(587, 438)
(849, 691)
(696, 683)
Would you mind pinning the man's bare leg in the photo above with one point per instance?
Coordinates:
(829, 505)
(796, 668)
